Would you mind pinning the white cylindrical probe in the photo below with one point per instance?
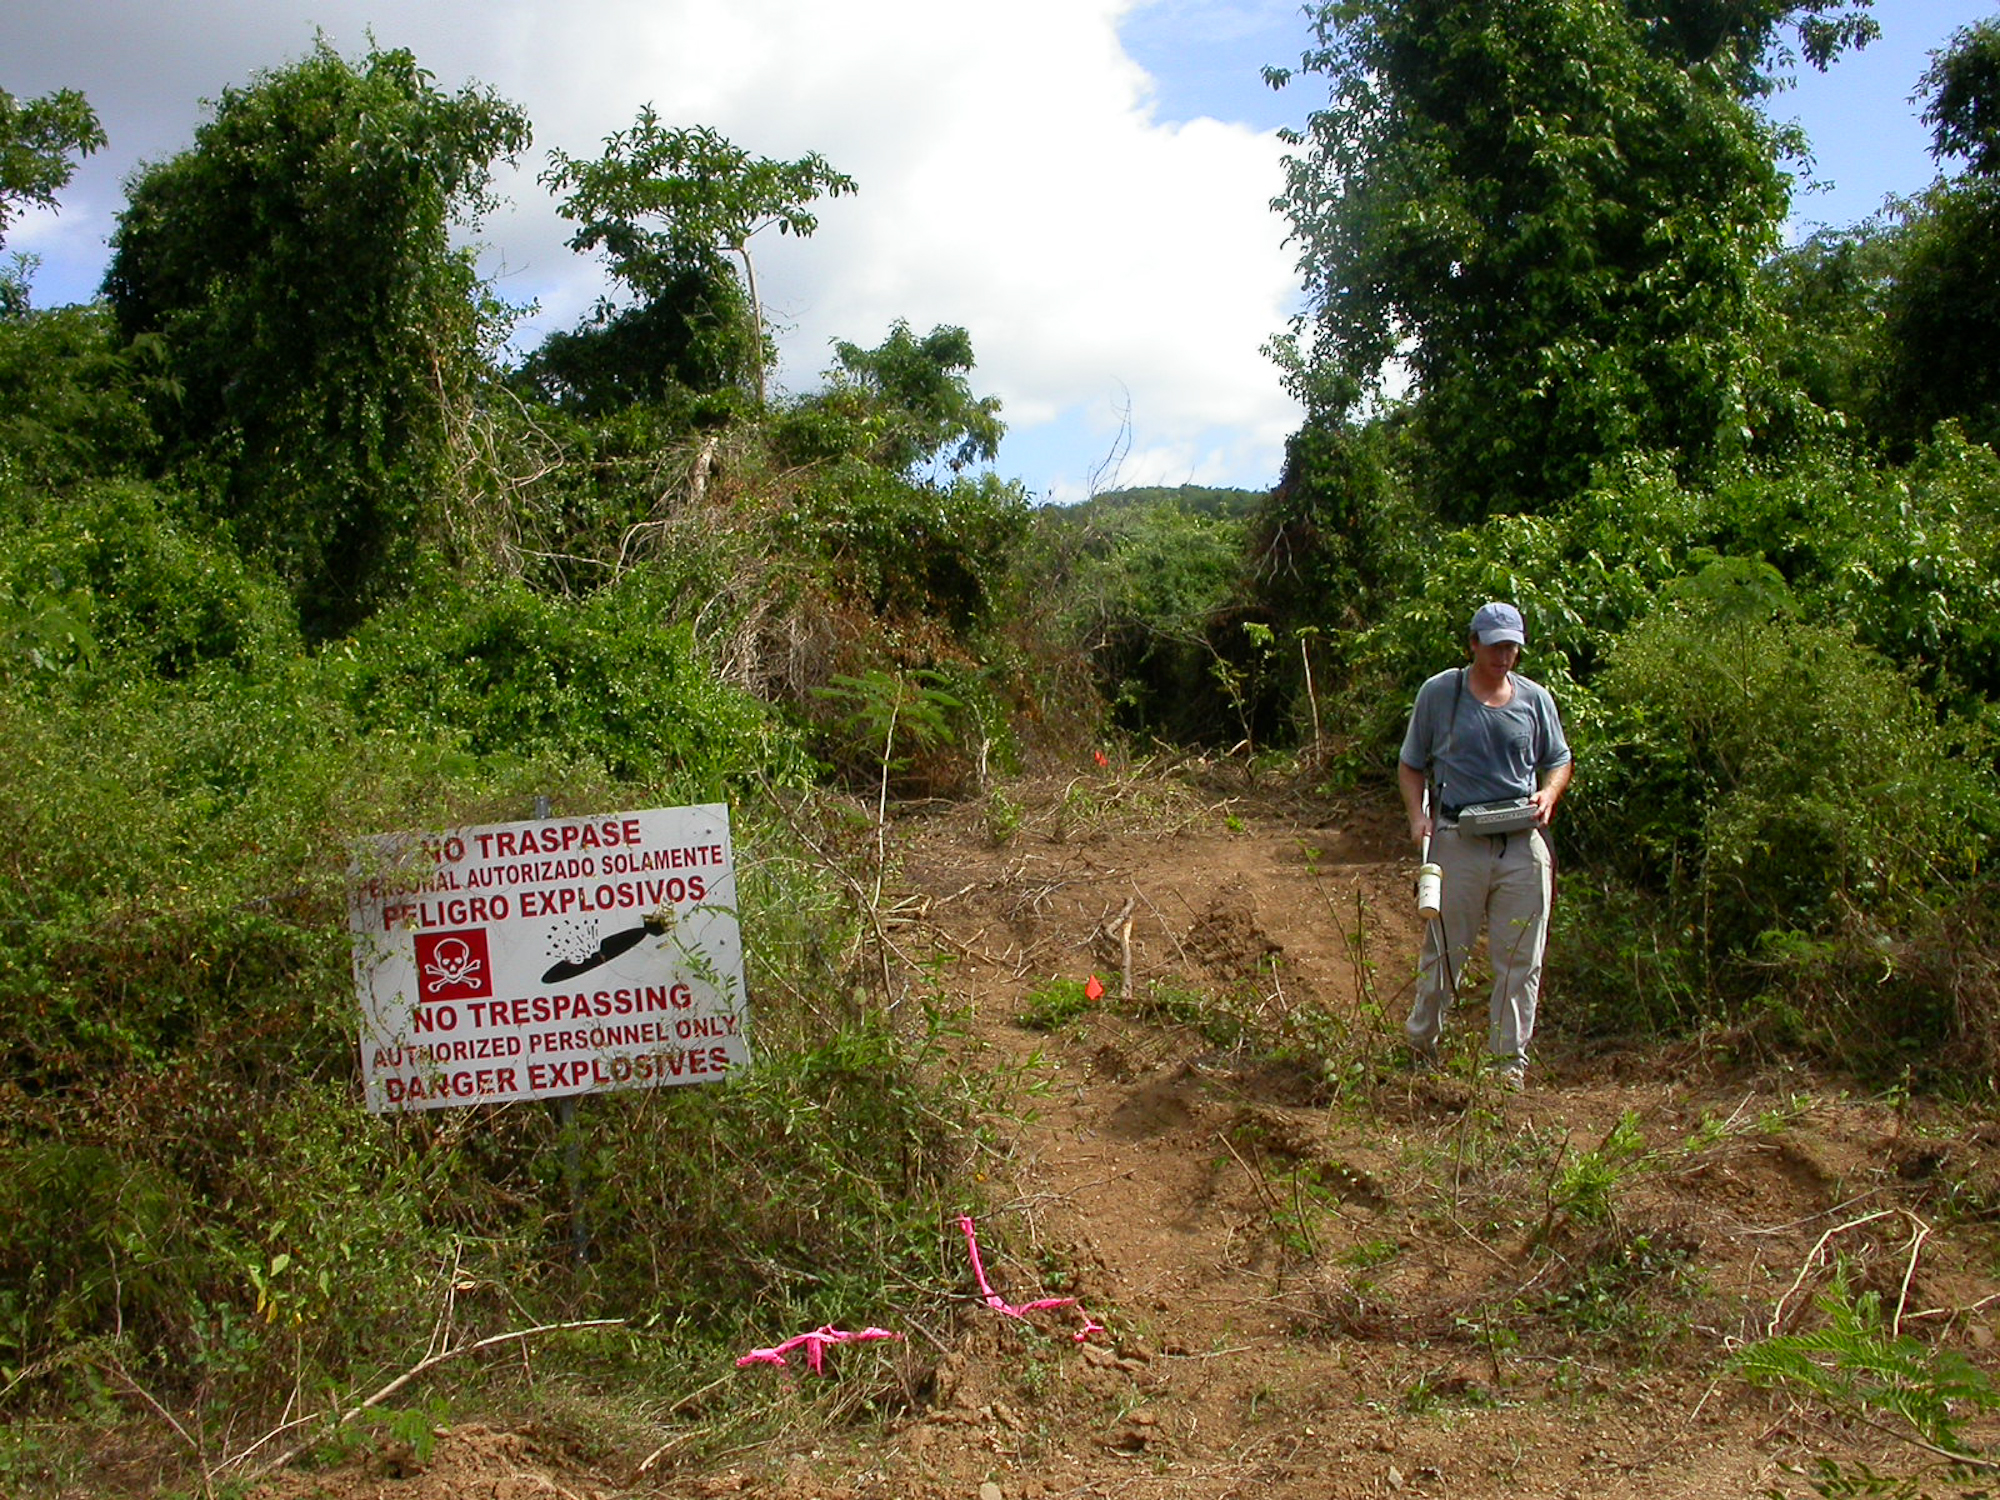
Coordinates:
(1430, 890)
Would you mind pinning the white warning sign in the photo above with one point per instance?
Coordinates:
(534, 960)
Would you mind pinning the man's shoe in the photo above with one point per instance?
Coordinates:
(1514, 1077)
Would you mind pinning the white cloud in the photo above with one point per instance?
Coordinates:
(1014, 179)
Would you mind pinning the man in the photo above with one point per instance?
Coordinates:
(1482, 734)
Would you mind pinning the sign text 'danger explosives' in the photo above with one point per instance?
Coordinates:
(536, 960)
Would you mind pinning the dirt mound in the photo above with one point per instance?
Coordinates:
(1340, 1278)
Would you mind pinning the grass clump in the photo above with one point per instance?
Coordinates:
(1054, 1005)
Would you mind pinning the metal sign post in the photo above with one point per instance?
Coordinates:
(572, 1143)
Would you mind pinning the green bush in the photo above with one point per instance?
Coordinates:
(95, 1242)
(169, 871)
(1907, 560)
(1792, 773)
(145, 591)
(225, 1233)
(596, 493)
(907, 551)
(1770, 820)
(791, 1197)
(1901, 561)
(69, 409)
(1148, 596)
(611, 681)
(195, 1199)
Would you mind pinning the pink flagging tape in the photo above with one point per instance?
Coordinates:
(815, 1342)
(815, 1346)
(1000, 1305)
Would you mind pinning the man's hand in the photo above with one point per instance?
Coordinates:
(1410, 781)
(1554, 783)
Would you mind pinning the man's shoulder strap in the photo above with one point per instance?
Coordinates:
(1451, 722)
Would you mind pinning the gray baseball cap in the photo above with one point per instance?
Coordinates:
(1493, 623)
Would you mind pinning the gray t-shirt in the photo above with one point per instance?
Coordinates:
(1481, 754)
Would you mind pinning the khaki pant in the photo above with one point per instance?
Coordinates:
(1507, 884)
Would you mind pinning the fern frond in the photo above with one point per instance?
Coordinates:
(1856, 1367)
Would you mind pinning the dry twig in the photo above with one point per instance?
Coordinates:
(1805, 1269)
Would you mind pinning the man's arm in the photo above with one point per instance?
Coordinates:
(1411, 781)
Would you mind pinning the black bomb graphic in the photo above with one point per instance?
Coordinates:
(582, 950)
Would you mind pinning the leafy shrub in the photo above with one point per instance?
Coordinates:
(1585, 1186)
(194, 1196)
(612, 680)
(1792, 773)
(1581, 576)
(887, 728)
(146, 591)
(792, 1193)
(95, 1241)
(68, 408)
(1148, 596)
(1324, 543)
(687, 343)
(168, 871)
(908, 551)
(577, 500)
(1859, 1365)
(1905, 560)
(1626, 961)
(905, 405)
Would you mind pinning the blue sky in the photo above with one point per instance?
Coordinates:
(1868, 142)
(1081, 184)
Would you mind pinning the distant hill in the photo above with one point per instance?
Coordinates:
(1195, 499)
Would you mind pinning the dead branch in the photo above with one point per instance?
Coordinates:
(1805, 1269)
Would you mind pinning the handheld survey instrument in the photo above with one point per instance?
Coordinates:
(1515, 815)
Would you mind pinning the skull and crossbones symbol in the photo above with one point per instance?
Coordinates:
(452, 962)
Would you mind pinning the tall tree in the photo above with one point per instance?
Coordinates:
(1745, 39)
(1963, 84)
(1830, 292)
(666, 204)
(322, 330)
(691, 339)
(39, 139)
(1942, 319)
(913, 396)
(1541, 220)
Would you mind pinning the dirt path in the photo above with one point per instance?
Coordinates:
(1362, 1284)
(1351, 1280)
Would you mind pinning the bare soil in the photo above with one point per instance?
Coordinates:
(1341, 1280)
